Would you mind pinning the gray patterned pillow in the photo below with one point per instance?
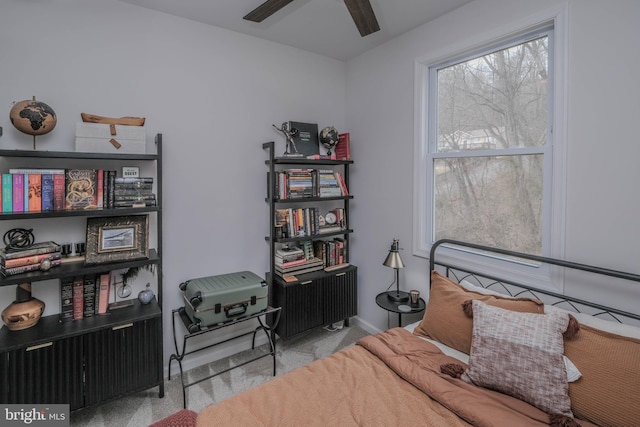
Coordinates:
(520, 354)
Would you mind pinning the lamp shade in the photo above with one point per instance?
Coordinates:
(393, 259)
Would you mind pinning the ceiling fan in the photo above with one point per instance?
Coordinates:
(361, 12)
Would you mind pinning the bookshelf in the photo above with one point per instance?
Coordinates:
(313, 298)
(99, 358)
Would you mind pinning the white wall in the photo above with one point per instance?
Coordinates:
(212, 93)
(602, 147)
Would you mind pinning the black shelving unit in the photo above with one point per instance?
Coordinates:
(318, 298)
(90, 361)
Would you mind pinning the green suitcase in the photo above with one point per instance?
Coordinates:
(214, 300)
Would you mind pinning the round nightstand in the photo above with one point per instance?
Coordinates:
(403, 307)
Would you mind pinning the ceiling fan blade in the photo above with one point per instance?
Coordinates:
(265, 10)
(362, 14)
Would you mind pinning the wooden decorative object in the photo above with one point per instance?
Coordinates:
(126, 121)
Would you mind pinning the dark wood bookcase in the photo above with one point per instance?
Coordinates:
(90, 361)
(317, 298)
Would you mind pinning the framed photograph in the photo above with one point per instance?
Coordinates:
(114, 239)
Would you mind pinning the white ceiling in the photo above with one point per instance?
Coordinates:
(321, 26)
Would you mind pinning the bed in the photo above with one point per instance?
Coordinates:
(488, 352)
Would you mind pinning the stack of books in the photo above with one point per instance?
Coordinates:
(133, 192)
(29, 259)
(328, 184)
(290, 261)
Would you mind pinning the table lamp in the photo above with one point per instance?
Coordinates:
(394, 261)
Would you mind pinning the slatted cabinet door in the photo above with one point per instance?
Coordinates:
(301, 304)
(340, 296)
(51, 372)
(122, 359)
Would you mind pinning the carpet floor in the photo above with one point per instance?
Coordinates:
(143, 408)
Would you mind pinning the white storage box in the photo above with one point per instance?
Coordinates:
(97, 138)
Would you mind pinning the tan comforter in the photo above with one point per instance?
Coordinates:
(356, 387)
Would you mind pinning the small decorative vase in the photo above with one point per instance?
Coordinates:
(25, 311)
(146, 295)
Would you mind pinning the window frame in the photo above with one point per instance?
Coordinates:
(554, 153)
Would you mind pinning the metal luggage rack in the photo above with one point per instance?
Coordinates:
(273, 314)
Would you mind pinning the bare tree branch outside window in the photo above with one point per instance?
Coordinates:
(486, 188)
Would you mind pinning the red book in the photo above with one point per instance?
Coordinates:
(78, 298)
(58, 192)
(342, 184)
(103, 293)
(33, 259)
(100, 189)
(343, 148)
(292, 263)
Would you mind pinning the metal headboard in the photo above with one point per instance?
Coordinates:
(459, 273)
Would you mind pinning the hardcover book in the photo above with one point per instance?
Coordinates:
(35, 170)
(18, 192)
(7, 192)
(100, 188)
(81, 189)
(28, 260)
(34, 194)
(134, 180)
(58, 192)
(26, 268)
(104, 282)
(78, 298)
(110, 183)
(89, 296)
(47, 192)
(133, 204)
(305, 138)
(343, 149)
(66, 299)
(35, 249)
(132, 189)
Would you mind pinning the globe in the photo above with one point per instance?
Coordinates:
(33, 117)
(329, 138)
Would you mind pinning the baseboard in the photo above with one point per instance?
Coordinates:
(365, 325)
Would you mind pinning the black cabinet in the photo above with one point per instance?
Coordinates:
(320, 297)
(51, 372)
(99, 358)
(132, 364)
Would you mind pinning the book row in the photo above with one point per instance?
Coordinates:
(307, 221)
(36, 190)
(305, 183)
(85, 296)
(314, 256)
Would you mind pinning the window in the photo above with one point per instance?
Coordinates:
(490, 158)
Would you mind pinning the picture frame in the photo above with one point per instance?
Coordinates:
(119, 238)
